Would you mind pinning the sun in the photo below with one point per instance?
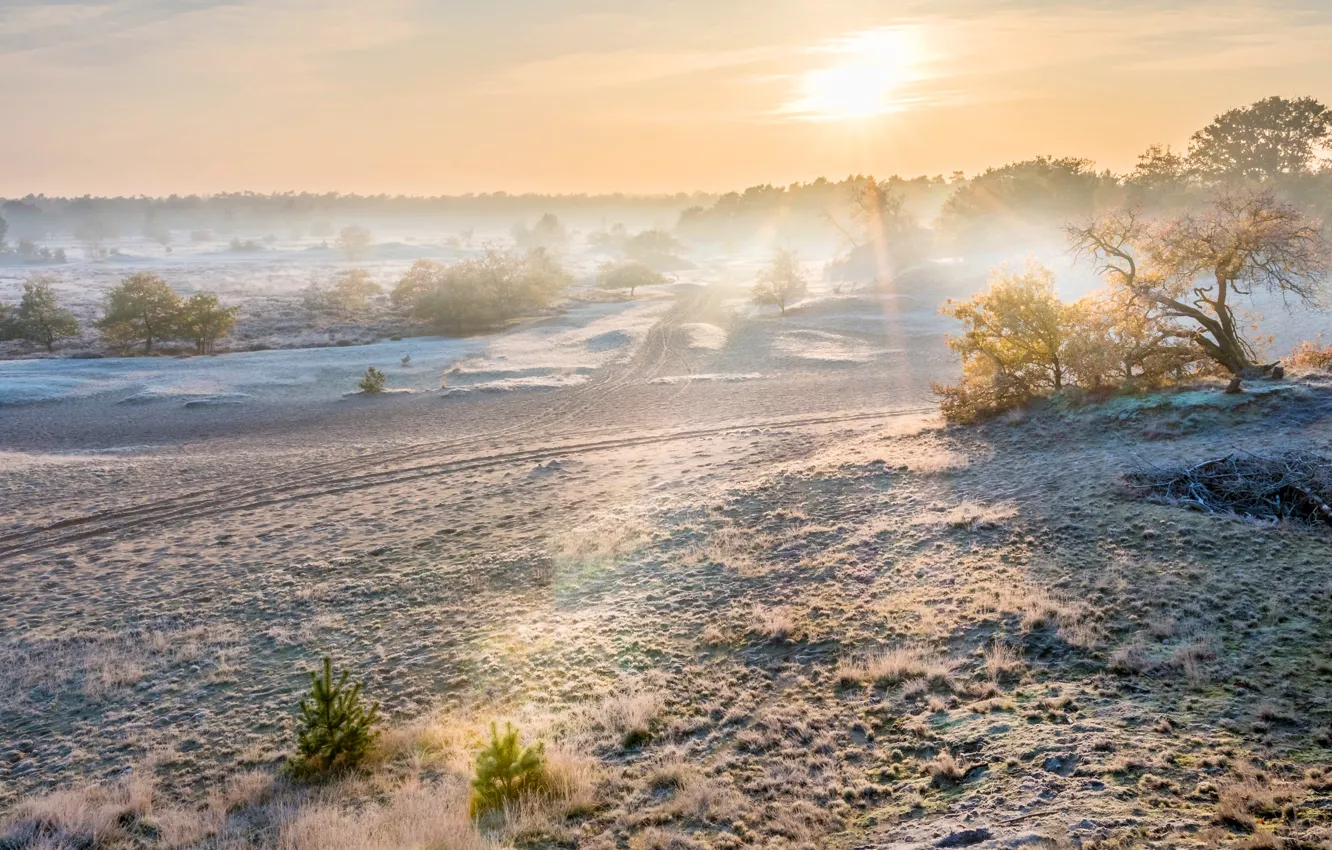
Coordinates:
(864, 80)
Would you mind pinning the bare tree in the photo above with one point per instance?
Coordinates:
(1193, 267)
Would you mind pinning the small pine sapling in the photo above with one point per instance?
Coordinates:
(373, 381)
(336, 727)
(506, 769)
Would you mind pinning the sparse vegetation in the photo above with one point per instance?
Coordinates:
(1311, 355)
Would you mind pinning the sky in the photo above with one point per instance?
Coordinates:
(641, 96)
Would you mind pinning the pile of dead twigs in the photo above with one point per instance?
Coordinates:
(1293, 486)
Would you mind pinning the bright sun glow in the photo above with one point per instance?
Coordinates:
(865, 80)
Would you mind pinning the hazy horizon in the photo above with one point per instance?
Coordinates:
(129, 97)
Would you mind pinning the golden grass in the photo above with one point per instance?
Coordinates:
(895, 665)
(1002, 661)
(772, 624)
(402, 810)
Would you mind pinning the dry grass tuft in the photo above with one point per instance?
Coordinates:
(896, 665)
(968, 515)
(627, 716)
(772, 624)
(1002, 662)
(92, 816)
(944, 770)
(1240, 801)
(1131, 658)
(738, 549)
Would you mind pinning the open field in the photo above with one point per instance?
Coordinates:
(742, 581)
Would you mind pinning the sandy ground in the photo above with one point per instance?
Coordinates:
(736, 515)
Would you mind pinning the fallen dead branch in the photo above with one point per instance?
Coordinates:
(1293, 486)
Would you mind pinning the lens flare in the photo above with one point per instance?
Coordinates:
(865, 79)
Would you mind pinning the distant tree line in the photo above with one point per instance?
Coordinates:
(1276, 143)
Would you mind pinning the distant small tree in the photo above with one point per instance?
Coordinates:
(40, 318)
(4, 228)
(354, 241)
(373, 381)
(783, 281)
(92, 233)
(629, 275)
(336, 728)
(656, 248)
(548, 233)
(204, 320)
(8, 325)
(142, 308)
(352, 289)
(505, 770)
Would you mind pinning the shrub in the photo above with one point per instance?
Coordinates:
(480, 293)
(336, 727)
(373, 381)
(1311, 356)
(505, 770)
(1020, 342)
(352, 289)
(354, 241)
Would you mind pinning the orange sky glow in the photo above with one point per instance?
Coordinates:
(641, 96)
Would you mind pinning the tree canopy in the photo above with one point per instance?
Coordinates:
(628, 275)
(204, 320)
(39, 317)
(1192, 267)
(1262, 141)
(142, 308)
